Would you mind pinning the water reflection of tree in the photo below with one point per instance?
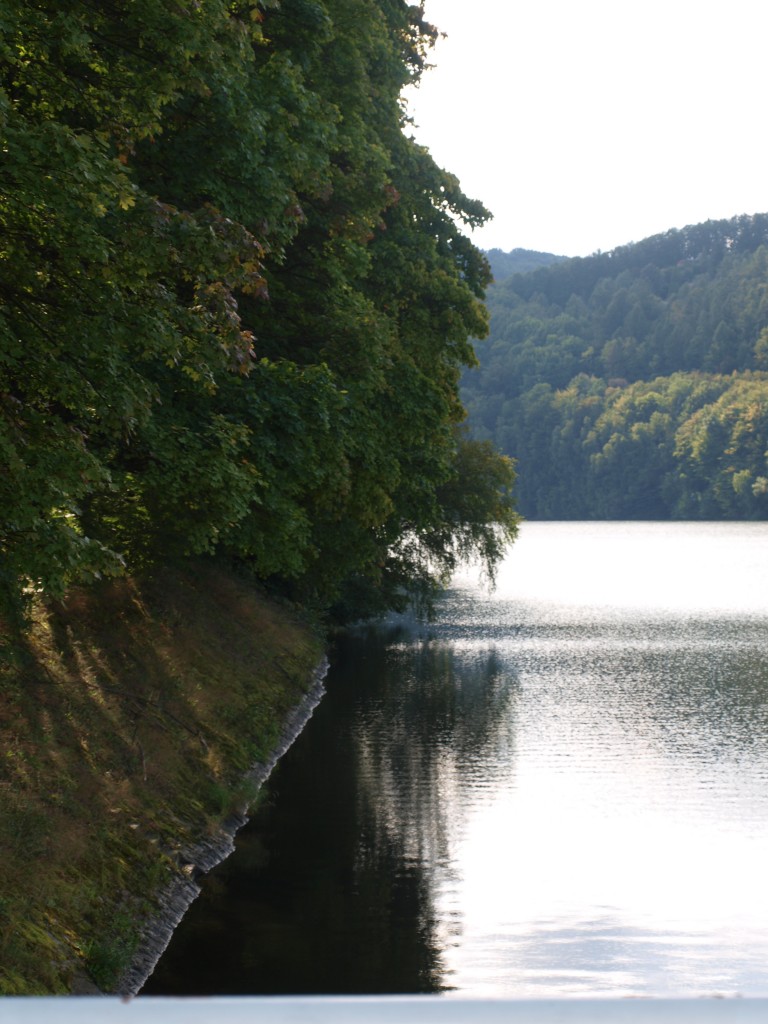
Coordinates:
(334, 886)
(431, 721)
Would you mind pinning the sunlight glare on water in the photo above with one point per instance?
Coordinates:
(653, 566)
(627, 853)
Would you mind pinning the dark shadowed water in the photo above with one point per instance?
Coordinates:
(560, 788)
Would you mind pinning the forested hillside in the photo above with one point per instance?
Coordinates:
(235, 302)
(634, 383)
(519, 261)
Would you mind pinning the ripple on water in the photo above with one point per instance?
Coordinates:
(556, 789)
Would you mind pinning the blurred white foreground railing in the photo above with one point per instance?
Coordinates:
(377, 1010)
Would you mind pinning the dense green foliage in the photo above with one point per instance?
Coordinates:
(632, 384)
(234, 301)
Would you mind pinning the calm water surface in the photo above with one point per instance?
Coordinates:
(557, 789)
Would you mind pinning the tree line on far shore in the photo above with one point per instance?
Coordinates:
(633, 384)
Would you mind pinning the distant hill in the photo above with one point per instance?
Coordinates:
(519, 261)
(633, 383)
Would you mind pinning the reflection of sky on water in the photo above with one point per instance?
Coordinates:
(624, 567)
(618, 846)
(603, 956)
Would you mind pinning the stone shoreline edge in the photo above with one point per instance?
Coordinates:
(174, 900)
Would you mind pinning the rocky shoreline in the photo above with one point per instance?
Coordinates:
(197, 860)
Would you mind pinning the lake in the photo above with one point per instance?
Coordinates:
(558, 788)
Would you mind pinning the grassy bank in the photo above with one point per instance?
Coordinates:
(127, 721)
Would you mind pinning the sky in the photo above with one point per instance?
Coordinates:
(587, 124)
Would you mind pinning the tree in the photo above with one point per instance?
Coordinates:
(234, 301)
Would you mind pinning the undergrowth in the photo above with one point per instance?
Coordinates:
(127, 719)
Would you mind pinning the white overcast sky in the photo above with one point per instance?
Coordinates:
(586, 124)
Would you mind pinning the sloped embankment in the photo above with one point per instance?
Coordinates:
(128, 724)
